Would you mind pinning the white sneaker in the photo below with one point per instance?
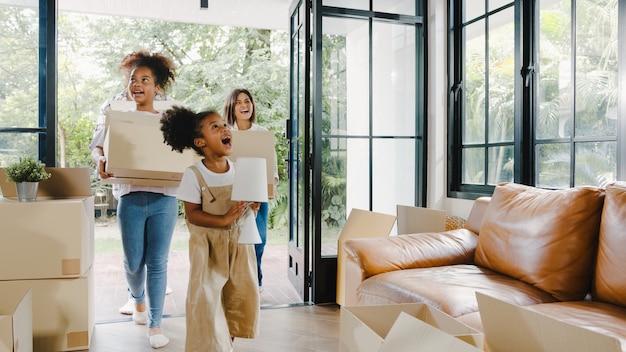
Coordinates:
(168, 290)
(128, 308)
(140, 318)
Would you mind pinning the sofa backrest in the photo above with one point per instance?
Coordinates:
(609, 283)
(475, 218)
(546, 238)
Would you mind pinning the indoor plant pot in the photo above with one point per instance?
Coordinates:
(27, 173)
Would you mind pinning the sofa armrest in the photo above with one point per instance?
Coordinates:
(374, 256)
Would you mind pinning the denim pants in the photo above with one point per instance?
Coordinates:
(261, 224)
(147, 222)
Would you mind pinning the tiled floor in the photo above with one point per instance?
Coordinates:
(110, 283)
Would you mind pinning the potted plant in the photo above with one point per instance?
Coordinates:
(27, 172)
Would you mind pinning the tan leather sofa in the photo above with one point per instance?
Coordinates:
(559, 252)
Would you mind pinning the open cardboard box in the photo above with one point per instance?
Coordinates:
(359, 224)
(256, 144)
(16, 321)
(136, 153)
(404, 327)
(511, 328)
(52, 237)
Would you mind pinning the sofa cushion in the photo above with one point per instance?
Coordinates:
(546, 238)
(610, 277)
(451, 289)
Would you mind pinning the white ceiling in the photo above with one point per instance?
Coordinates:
(265, 14)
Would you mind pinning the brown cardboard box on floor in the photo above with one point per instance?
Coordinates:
(62, 311)
(511, 328)
(16, 321)
(384, 328)
(51, 237)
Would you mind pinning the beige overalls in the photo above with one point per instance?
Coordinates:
(223, 295)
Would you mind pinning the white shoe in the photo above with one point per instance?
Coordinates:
(140, 318)
(158, 340)
(128, 308)
(168, 290)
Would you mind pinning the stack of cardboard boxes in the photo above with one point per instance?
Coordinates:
(46, 256)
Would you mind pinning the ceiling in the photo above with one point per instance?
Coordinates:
(265, 14)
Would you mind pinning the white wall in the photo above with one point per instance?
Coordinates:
(437, 113)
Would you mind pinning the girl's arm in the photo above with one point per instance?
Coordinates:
(197, 216)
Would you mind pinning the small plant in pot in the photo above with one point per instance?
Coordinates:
(27, 173)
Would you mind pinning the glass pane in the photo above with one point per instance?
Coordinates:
(393, 65)
(474, 166)
(474, 87)
(596, 164)
(596, 68)
(345, 179)
(345, 89)
(19, 57)
(554, 74)
(553, 165)
(496, 4)
(500, 165)
(501, 76)
(402, 7)
(15, 145)
(348, 4)
(393, 179)
(473, 9)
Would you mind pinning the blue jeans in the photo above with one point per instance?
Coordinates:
(261, 224)
(147, 222)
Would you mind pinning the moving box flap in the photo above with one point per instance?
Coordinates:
(409, 334)
(418, 220)
(511, 328)
(125, 105)
(64, 183)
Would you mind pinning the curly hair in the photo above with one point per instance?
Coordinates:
(229, 106)
(161, 66)
(180, 126)
(128, 62)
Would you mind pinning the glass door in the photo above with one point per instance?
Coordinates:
(357, 127)
(299, 151)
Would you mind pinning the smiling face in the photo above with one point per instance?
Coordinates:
(243, 109)
(216, 137)
(142, 87)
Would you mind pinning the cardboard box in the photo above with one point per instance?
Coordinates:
(63, 311)
(126, 105)
(418, 220)
(16, 321)
(52, 237)
(384, 328)
(511, 328)
(136, 153)
(258, 144)
(359, 224)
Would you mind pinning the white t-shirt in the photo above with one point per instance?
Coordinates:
(189, 188)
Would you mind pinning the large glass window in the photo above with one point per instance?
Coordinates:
(534, 94)
(19, 91)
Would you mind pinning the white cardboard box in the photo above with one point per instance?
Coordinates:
(16, 321)
(52, 237)
(257, 144)
(384, 328)
(511, 328)
(136, 153)
(62, 311)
